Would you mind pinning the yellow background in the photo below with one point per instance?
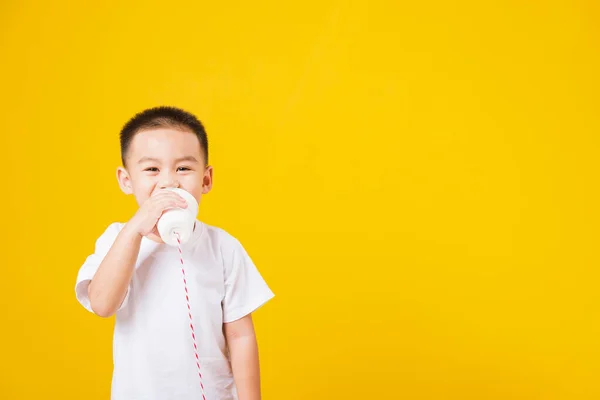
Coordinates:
(417, 182)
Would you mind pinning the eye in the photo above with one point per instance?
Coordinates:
(183, 169)
(151, 169)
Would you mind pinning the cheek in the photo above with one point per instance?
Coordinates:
(193, 184)
(143, 188)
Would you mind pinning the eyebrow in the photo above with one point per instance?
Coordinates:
(156, 160)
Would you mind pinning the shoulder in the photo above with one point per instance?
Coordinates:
(115, 227)
(110, 234)
(222, 244)
(112, 230)
(219, 245)
(221, 237)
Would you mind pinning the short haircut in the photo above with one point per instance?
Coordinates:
(163, 117)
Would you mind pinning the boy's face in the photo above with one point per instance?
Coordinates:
(164, 158)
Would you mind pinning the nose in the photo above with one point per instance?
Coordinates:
(168, 181)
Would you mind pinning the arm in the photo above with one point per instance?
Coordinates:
(243, 349)
(108, 288)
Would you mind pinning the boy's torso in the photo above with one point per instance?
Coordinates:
(153, 348)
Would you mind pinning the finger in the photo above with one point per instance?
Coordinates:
(159, 201)
(168, 203)
(164, 193)
(168, 194)
(180, 200)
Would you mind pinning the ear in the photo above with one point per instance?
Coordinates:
(124, 180)
(207, 180)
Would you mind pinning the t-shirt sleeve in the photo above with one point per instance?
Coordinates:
(245, 289)
(91, 264)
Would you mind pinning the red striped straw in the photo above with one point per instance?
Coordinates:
(187, 299)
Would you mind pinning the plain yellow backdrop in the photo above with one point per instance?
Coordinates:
(417, 182)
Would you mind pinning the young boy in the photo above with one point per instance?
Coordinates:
(134, 274)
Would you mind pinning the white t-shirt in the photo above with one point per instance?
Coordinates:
(152, 345)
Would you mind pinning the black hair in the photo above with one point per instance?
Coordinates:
(163, 117)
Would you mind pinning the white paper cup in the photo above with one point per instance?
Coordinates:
(178, 222)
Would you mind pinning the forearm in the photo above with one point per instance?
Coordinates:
(245, 365)
(109, 286)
